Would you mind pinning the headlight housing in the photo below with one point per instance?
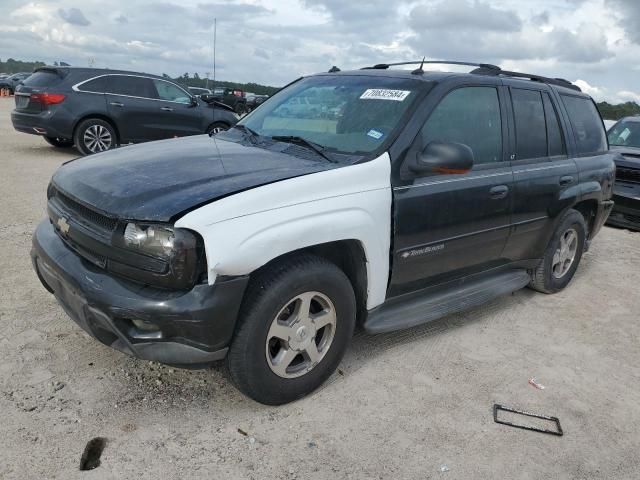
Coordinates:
(160, 255)
(156, 240)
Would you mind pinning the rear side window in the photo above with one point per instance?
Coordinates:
(531, 129)
(169, 92)
(43, 78)
(131, 86)
(97, 85)
(554, 132)
(586, 123)
(469, 115)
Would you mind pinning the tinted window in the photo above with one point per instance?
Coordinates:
(471, 116)
(531, 129)
(131, 86)
(625, 133)
(554, 132)
(96, 85)
(586, 123)
(168, 91)
(43, 78)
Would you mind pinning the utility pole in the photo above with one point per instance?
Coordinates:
(215, 28)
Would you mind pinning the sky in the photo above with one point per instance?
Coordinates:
(595, 43)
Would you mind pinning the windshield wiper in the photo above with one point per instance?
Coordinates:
(252, 134)
(319, 149)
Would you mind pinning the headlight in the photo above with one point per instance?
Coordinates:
(151, 239)
(159, 255)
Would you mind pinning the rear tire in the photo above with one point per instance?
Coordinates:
(94, 135)
(59, 142)
(296, 322)
(563, 254)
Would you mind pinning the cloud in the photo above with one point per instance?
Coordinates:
(261, 52)
(275, 41)
(464, 16)
(74, 16)
(628, 16)
(595, 92)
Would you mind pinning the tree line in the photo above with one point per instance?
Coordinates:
(14, 66)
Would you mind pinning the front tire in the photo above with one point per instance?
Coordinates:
(217, 127)
(94, 136)
(59, 142)
(295, 324)
(562, 256)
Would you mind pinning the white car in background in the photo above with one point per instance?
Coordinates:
(609, 123)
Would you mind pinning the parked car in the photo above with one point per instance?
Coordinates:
(254, 101)
(608, 124)
(624, 137)
(433, 192)
(232, 97)
(12, 81)
(98, 109)
(198, 92)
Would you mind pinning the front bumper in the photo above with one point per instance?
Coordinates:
(193, 329)
(626, 212)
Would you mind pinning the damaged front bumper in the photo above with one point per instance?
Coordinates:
(187, 329)
(626, 212)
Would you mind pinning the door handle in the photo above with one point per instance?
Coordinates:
(167, 109)
(116, 104)
(499, 192)
(566, 180)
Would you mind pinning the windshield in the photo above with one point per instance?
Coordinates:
(625, 133)
(346, 114)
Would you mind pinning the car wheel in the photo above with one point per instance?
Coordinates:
(562, 256)
(296, 322)
(59, 142)
(217, 127)
(94, 135)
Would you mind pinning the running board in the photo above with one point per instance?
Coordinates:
(424, 306)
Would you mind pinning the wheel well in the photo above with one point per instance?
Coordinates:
(588, 209)
(349, 256)
(101, 117)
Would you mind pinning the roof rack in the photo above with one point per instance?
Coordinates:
(481, 69)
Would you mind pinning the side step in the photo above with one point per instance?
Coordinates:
(427, 305)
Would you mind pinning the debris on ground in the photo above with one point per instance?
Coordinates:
(554, 420)
(535, 384)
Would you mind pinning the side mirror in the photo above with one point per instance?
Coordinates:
(443, 157)
(194, 101)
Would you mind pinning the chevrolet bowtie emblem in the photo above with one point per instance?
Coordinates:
(63, 225)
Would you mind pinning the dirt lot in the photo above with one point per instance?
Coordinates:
(412, 405)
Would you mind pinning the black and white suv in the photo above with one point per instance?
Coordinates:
(267, 244)
(96, 109)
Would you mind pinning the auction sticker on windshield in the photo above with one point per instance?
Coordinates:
(384, 94)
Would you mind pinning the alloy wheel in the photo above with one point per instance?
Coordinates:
(565, 254)
(97, 138)
(301, 335)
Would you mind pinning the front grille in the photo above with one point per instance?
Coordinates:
(628, 174)
(86, 215)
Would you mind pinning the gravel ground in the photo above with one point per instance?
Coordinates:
(411, 405)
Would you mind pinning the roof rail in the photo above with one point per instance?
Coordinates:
(481, 69)
(561, 82)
